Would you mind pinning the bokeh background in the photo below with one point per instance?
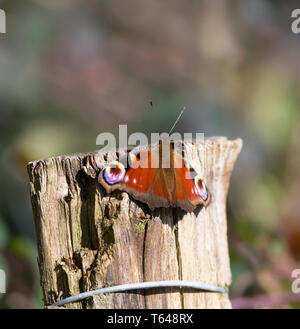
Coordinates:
(72, 69)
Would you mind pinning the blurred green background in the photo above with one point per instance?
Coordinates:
(72, 69)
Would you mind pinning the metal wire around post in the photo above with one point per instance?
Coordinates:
(142, 285)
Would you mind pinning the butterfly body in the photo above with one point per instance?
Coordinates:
(158, 176)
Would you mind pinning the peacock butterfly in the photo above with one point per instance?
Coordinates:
(147, 178)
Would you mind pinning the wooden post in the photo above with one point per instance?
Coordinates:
(88, 240)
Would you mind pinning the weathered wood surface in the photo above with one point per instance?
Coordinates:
(87, 239)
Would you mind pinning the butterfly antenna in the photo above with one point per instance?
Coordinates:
(179, 116)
